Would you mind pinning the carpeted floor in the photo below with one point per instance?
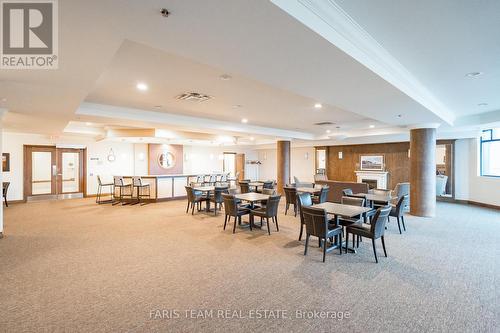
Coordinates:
(74, 266)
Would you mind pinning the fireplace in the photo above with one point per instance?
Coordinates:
(372, 183)
(374, 179)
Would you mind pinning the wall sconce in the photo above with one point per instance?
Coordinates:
(141, 156)
(265, 156)
(186, 157)
(340, 155)
(306, 156)
(409, 154)
(212, 156)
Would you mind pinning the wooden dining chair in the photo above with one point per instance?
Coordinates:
(290, 199)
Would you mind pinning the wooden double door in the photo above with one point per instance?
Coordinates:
(53, 173)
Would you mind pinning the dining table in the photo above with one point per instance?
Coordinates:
(255, 184)
(206, 190)
(341, 210)
(371, 198)
(252, 198)
(311, 190)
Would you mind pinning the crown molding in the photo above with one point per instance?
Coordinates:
(329, 20)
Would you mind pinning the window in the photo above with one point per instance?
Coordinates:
(490, 152)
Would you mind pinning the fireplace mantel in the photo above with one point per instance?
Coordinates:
(379, 176)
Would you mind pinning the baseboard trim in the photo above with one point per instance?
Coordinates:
(16, 201)
(473, 203)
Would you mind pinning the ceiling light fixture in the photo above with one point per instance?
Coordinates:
(318, 106)
(244, 120)
(164, 12)
(158, 106)
(4, 99)
(474, 74)
(252, 138)
(482, 104)
(142, 86)
(372, 126)
(400, 115)
(328, 131)
(88, 124)
(225, 77)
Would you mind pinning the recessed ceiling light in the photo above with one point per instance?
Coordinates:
(158, 106)
(318, 106)
(328, 131)
(400, 115)
(482, 104)
(4, 99)
(237, 106)
(88, 124)
(252, 138)
(225, 77)
(372, 126)
(244, 120)
(142, 86)
(474, 74)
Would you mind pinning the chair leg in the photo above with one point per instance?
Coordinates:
(319, 242)
(187, 208)
(5, 200)
(374, 250)
(215, 209)
(225, 222)
(286, 207)
(192, 210)
(383, 245)
(399, 225)
(307, 244)
(339, 238)
(301, 230)
(276, 221)
(346, 241)
(295, 209)
(403, 220)
(268, 228)
(234, 226)
(324, 250)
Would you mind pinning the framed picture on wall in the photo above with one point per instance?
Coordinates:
(372, 162)
(6, 162)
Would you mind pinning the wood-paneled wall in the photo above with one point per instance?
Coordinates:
(395, 155)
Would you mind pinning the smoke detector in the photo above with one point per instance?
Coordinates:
(194, 97)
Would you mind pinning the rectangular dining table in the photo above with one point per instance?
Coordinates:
(374, 197)
(311, 190)
(207, 190)
(340, 210)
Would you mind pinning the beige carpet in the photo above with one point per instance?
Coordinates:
(75, 266)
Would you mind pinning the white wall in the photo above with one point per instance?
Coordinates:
(141, 159)
(301, 164)
(469, 184)
(97, 162)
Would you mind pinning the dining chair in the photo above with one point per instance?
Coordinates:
(374, 231)
(100, 186)
(194, 198)
(231, 208)
(398, 210)
(269, 211)
(140, 188)
(347, 192)
(268, 185)
(322, 196)
(316, 221)
(303, 200)
(290, 199)
(348, 221)
(5, 189)
(119, 183)
(244, 187)
(268, 191)
(216, 197)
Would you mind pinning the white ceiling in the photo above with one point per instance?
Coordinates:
(280, 67)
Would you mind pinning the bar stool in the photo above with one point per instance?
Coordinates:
(138, 185)
(120, 184)
(100, 185)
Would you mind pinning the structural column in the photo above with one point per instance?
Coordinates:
(283, 164)
(423, 172)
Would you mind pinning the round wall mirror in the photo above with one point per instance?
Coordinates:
(166, 160)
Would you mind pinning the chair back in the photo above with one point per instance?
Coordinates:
(218, 193)
(223, 177)
(400, 206)
(244, 187)
(402, 189)
(316, 221)
(230, 205)
(213, 179)
(323, 194)
(269, 191)
(190, 193)
(347, 191)
(305, 200)
(320, 177)
(118, 180)
(136, 181)
(5, 188)
(272, 205)
(379, 191)
(290, 195)
(99, 182)
(268, 184)
(200, 179)
(379, 221)
(353, 201)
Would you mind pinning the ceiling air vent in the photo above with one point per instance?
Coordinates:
(324, 123)
(194, 97)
